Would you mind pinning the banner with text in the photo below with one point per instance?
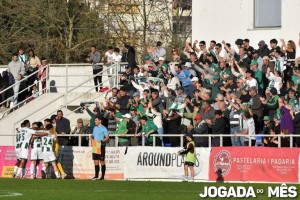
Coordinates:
(163, 162)
(77, 162)
(8, 160)
(254, 164)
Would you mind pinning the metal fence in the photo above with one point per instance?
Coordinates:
(182, 138)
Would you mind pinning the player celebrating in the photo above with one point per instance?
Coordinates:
(48, 153)
(190, 159)
(36, 153)
(17, 151)
(24, 137)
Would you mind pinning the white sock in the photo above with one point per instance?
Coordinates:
(19, 170)
(32, 169)
(186, 177)
(44, 169)
(57, 174)
(15, 169)
(37, 171)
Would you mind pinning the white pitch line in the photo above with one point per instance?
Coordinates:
(9, 194)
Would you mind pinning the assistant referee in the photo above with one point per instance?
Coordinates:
(100, 134)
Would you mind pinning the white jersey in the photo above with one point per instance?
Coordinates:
(25, 136)
(47, 143)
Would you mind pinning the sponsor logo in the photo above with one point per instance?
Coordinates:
(222, 163)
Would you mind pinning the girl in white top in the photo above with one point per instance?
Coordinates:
(275, 80)
(157, 117)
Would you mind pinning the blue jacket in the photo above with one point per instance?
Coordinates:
(184, 77)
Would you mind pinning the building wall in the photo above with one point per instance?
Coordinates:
(231, 19)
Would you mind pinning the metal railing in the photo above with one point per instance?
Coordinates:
(182, 138)
(24, 80)
(64, 95)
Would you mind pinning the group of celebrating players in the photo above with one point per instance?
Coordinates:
(42, 140)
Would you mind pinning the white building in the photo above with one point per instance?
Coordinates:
(253, 19)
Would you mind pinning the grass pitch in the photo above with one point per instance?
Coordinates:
(122, 190)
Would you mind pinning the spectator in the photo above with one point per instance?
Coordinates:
(43, 74)
(274, 47)
(257, 75)
(93, 115)
(123, 100)
(23, 57)
(248, 128)
(272, 104)
(235, 120)
(257, 109)
(286, 125)
(62, 128)
(16, 68)
(79, 129)
(109, 115)
(200, 128)
(130, 55)
(34, 63)
(263, 49)
(249, 49)
(4, 95)
(95, 58)
(148, 129)
(158, 52)
(173, 123)
(131, 129)
(184, 76)
(121, 130)
(217, 126)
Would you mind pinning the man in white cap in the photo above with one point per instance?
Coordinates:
(131, 129)
(188, 66)
(193, 86)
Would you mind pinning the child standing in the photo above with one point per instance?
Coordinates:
(190, 158)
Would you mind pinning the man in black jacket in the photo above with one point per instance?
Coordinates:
(257, 109)
(130, 55)
(218, 127)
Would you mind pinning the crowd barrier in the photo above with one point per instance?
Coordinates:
(248, 164)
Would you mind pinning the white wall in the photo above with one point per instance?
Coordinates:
(231, 19)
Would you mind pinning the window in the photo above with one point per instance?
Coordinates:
(267, 13)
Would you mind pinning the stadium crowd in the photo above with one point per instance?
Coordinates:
(214, 88)
(206, 89)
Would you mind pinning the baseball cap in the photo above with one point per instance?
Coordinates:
(79, 120)
(198, 116)
(119, 115)
(266, 118)
(254, 62)
(254, 51)
(188, 64)
(127, 115)
(161, 58)
(195, 79)
(147, 57)
(135, 94)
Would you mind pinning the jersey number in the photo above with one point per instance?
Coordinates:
(20, 137)
(49, 142)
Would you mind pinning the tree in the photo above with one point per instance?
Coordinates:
(60, 30)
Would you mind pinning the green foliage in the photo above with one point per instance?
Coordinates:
(59, 30)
